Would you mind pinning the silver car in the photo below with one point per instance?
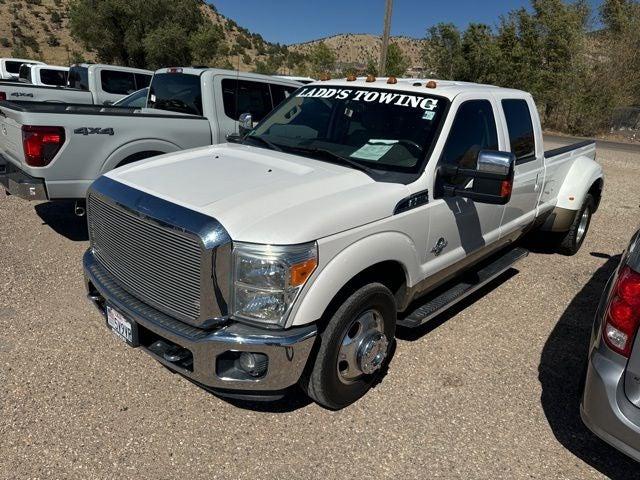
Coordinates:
(611, 400)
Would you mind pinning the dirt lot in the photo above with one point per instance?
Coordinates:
(488, 391)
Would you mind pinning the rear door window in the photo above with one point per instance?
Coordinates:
(13, 67)
(176, 92)
(116, 82)
(78, 78)
(520, 126)
(53, 77)
(243, 96)
(142, 80)
(279, 93)
(25, 73)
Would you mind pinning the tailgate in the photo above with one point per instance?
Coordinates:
(11, 134)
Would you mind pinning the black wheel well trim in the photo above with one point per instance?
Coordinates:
(134, 157)
(595, 190)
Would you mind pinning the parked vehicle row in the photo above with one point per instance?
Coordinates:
(43, 75)
(54, 151)
(86, 84)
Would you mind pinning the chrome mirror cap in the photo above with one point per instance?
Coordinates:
(499, 163)
(246, 121)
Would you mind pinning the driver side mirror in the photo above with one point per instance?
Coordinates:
(492, 178)
(246, 123)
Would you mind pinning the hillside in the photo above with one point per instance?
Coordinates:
(42, 27)
(356, 49)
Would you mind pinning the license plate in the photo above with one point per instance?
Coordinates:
(124, 329)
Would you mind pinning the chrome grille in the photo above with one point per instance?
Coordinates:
(160, 266)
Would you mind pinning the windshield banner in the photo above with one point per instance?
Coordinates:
(372, 96)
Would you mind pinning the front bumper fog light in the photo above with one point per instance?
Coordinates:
(255, 364)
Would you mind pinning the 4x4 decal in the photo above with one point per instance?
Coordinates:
(93, 131)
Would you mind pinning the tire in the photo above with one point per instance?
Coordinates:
(327, 381)
(573, 239)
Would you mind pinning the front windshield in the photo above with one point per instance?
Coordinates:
(378, 129)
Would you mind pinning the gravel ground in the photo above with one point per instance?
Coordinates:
(488, 391)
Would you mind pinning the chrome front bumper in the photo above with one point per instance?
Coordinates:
(287, 350)
(20, 184)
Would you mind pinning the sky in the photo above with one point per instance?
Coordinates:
(294, 21)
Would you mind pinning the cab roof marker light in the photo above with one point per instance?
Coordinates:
(370, 78)
(351, 78)
(392, 80)
(431, 84)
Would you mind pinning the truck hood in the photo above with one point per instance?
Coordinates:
(264, 196)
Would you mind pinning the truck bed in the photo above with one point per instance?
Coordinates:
(97, 139)
(18, 91)
(87, 109)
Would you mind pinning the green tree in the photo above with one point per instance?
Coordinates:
(442, 53)
(138, 33)
(621, 41)
(397, 64)
(270, 66)
(372, 67)
(322, 59)
(480, 52)
(19, 50)
(207, 44)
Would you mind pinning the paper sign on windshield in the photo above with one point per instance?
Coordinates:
(374, 149)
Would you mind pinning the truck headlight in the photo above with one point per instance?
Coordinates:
(267, 279)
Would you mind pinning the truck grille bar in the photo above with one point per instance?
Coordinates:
(159, 265)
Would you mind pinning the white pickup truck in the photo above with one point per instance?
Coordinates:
(354, 207)
(10, 67)
(54, 151)
(86, 84)
(44, 75)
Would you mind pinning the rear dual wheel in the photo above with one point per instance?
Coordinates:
(573, 239)
(354, 348)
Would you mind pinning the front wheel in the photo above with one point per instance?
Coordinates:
(573, 239)
(354, 348)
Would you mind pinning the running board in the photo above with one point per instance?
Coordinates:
(468, 284)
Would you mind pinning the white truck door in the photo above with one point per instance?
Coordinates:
(460, 227)
(529, 171)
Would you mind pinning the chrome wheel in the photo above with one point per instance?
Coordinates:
(364, 347)
(583, 225)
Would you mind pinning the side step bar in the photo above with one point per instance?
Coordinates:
(469, 283)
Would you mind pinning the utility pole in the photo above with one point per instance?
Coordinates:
(385, 38)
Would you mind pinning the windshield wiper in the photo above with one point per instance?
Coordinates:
(269, 144)
(332, 156)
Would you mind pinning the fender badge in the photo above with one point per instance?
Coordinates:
(440, 245)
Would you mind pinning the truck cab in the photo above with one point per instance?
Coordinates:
(10, 67)
(356, 206)
(107, 83)
(44, 75)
